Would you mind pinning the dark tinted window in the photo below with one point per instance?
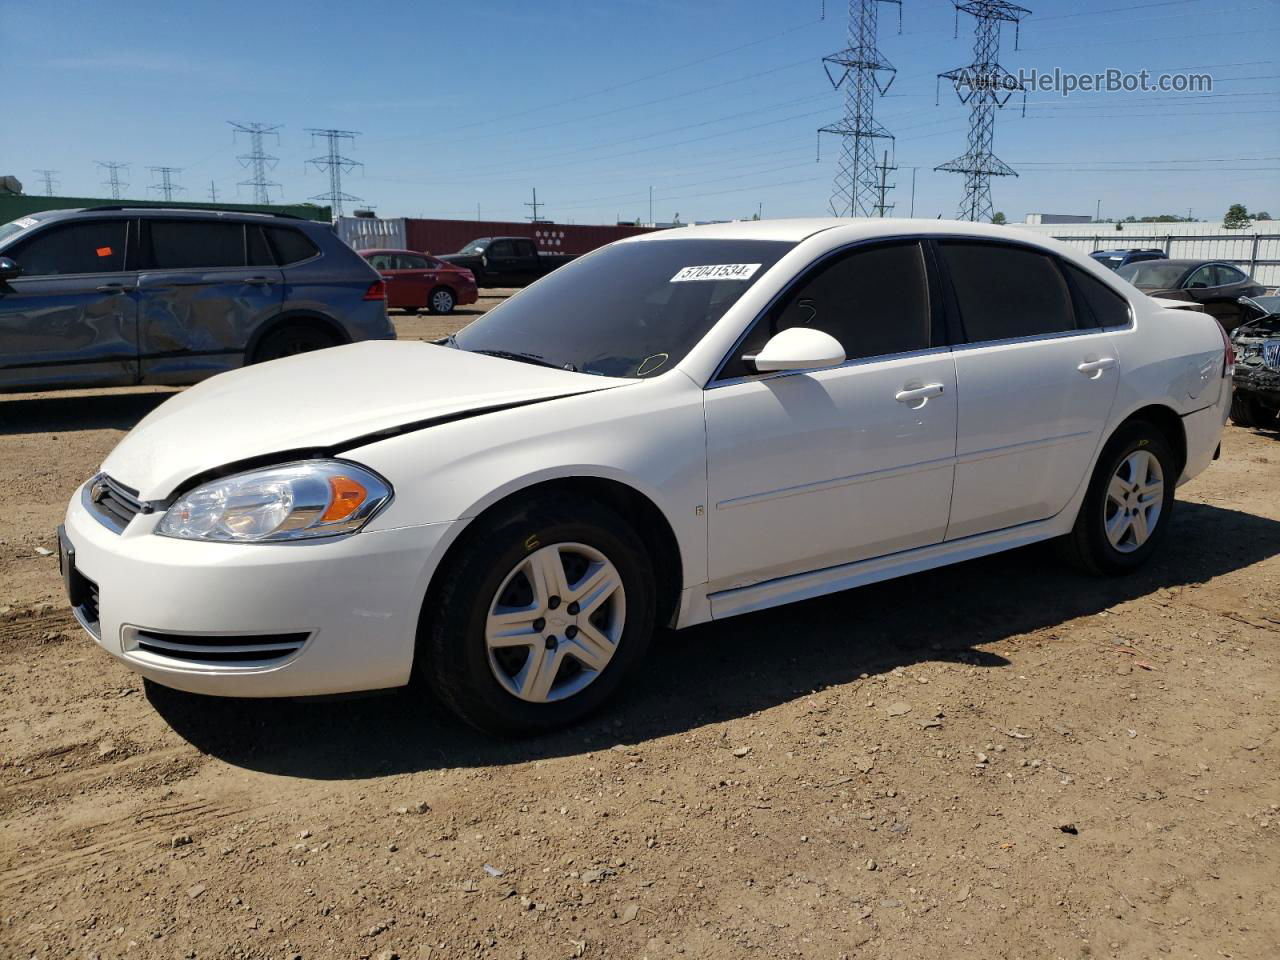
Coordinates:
(1099, 305)
(290, 246)
(195, 244)
(874, 301)
(501, 248)
(626, 310)
(95, 247)
(524, 248)
(1226, 275)
(410, 261)
(1006, 292)
(259, 253)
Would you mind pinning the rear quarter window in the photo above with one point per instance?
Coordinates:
(290, 245)
(1097, 304)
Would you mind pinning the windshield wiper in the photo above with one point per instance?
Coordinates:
(526, 358)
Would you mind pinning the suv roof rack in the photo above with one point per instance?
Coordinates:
(249, 213)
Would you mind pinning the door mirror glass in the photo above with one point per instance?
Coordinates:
(8, 269)
(798, 348)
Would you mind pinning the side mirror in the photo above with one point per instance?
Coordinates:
(484, 260)
(798, 348)
(9, 270)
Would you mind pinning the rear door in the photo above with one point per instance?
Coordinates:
(71, 318)
(413, 278)
(205, 287)
(1036, 384)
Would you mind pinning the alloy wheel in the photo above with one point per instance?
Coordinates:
(555, 622)
(1135, 499)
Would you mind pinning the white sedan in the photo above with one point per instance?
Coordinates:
(680, 427)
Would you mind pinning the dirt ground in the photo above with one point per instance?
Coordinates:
(1002, 759)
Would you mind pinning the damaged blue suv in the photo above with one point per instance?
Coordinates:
(117, 295)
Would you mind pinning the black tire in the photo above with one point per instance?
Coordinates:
(1246, 411)
(441, 300)
(452, 658)
(292, 339)
(1087, 546)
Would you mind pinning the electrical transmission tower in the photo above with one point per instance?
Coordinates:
(857, 68)
(882, 208)
(113, 181)
(166, 187)
(336, 164)
(985, 86)
(48, 181)
(257, 160)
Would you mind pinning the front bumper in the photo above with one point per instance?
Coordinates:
(351, 603)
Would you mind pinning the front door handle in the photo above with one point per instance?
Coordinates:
(1093, 368)
(115, 288)
(258, 281)
(914, 394)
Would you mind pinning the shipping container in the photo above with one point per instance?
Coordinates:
(450, 236)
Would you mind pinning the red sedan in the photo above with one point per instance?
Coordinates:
(415, 280)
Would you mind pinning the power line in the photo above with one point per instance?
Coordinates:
(113, 181)
(989, 87)
(336, 164)
(48, 181)
(257, 160)
(534, 206)
(860, 65)
(166, 187)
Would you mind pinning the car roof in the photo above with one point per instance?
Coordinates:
(372, 250)
(191, 213)
(851, 228)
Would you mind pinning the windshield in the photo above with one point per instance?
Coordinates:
(626, 310)
(10, 230)
(476, 247)
(1153, 275)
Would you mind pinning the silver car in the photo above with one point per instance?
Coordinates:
(114, 296)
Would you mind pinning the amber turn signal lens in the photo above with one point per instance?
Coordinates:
(346, 500)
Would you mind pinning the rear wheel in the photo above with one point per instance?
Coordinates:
(545, 611)
(1126, 509)
(441, 300)
(292, 339)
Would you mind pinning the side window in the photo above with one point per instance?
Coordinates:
(1201, 278)
(1099, 305)
(409, 261)
(875, 301)
(1005, 292)
(256, 244)
(433, 263)
(525, 248)
(195, 244)
(291, 246)
(1224, 275)
(93, 247)
(500, 249)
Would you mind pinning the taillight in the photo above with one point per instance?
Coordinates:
(1228, 352)
(377, 290)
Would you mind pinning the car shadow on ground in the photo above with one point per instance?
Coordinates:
(730, 669)
(75, 412)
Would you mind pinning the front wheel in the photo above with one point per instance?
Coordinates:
(441, 301)
(1126, 509)
(546, 609)
(1246, 411)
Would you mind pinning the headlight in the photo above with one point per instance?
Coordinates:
(313, 498)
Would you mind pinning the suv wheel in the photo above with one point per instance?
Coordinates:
(548, 607)
(1126, 509)
(441, 300)
(292, 339)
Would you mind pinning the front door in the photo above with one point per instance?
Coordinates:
(202, 296)
(812, 469)
(1036, 380)
(70, 318)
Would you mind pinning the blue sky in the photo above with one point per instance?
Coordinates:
(714, 104)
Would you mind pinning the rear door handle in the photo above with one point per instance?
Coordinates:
(1093, 368)
(919, 393)
(115, 288)
(258, 281)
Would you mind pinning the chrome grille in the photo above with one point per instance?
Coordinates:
(229, 649)
(1271, 354)
(112, 502)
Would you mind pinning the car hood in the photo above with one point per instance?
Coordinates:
(325, 400)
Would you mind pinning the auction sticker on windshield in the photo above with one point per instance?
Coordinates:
(717, 271)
